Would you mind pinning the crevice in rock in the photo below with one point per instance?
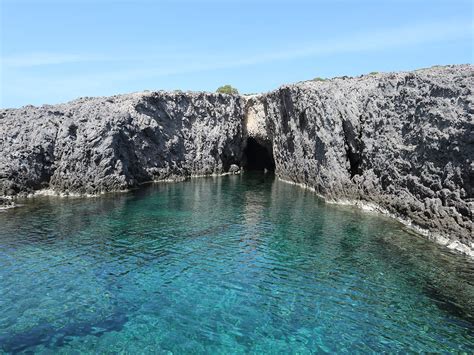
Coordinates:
(72, 131)
(258, 156)
(354, 161)
(353, 148)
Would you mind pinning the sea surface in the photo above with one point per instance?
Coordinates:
(236, 264)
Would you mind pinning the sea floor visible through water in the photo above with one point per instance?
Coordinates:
(233, 264)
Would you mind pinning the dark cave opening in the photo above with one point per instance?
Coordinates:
(354, 162)
(258, 157)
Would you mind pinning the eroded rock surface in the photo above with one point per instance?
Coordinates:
(401, 141)
(94, 145)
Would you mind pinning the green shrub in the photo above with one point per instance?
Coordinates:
(373, 72)
(319, 79)
(227, 89)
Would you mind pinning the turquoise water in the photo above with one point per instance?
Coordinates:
(238, 264)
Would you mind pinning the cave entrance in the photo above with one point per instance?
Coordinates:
(257, 156)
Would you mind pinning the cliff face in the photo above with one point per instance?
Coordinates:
(94, 145)
(403, 142)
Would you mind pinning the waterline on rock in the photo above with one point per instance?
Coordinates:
(374, 208)
(233, 264)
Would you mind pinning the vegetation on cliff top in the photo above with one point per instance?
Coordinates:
(227, 89)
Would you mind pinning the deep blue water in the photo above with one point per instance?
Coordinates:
(238, 264)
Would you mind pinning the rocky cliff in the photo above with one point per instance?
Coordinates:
(95, 145)
(401, 143)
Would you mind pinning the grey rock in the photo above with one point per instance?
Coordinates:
(94, 145)
(6, 203)
(234, 169)
(402, 141)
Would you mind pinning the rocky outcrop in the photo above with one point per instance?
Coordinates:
(94, 145)
(402, 143)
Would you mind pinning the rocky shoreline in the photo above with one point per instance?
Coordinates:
(439, 238)
(401, 141)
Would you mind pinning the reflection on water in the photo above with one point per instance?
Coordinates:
(232, 264)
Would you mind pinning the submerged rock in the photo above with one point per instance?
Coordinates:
(6, 203)
(402, 142)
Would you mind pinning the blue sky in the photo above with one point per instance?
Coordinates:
(54, 51)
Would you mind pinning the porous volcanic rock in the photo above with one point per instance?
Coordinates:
(94, 145)
(402, 143)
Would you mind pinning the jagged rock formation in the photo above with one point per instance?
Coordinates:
(401, 141)
(94, 145)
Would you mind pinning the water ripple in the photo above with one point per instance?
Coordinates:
(230, 265)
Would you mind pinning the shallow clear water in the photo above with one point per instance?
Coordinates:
(239, 264)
